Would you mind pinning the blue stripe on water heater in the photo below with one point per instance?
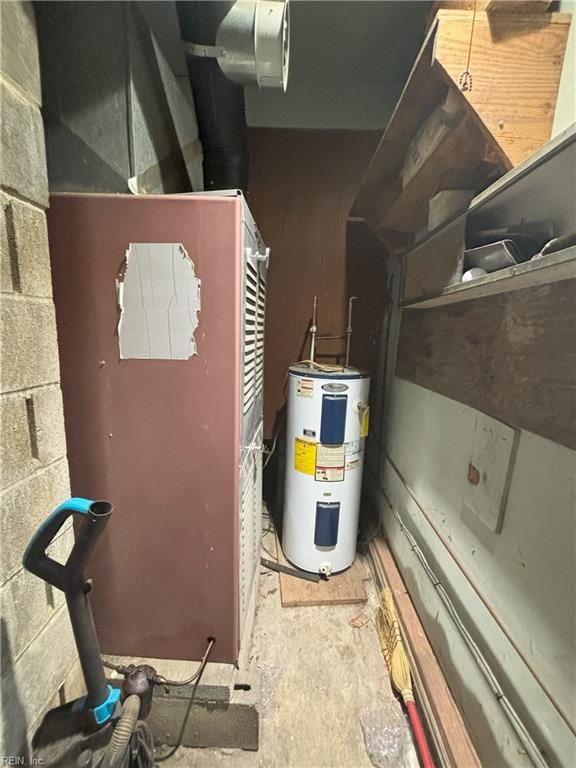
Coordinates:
(326, 528)
(333, 423)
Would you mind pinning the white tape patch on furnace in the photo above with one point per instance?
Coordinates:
(159, 300)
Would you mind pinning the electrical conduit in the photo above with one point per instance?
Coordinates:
(519, 728)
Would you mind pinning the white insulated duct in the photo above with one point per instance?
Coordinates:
(252, 43)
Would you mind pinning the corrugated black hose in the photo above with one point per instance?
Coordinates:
(132, 745)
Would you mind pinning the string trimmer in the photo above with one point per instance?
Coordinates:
(106, 728)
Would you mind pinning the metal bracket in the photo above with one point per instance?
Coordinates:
(262, 257)
(206, 51)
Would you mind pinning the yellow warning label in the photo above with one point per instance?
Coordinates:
(304, 456)
(365, 422)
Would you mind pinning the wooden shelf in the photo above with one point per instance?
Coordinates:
(545, 270)
(516, 62)
(537, 172)
(540, 189)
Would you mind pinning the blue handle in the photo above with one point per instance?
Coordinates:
(50, 527)
(35, 558)
(101, 698)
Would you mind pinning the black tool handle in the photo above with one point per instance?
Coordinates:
(70, 579)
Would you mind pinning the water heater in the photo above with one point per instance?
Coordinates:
(326, 429)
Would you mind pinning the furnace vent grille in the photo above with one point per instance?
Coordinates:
(260, 318)
(250, 523)
(254, 316)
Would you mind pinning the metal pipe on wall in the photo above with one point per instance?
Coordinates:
(485, 602)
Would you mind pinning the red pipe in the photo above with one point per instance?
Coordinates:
(419, 736)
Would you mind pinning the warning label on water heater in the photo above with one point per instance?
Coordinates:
(330, 463)
(305, 387)
(365, 422)
(304, 456)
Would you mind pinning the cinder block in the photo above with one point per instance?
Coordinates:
(33, 432)
(19, 61)
(27, 603)
(72, 688)
(49, 417)
(226, 708)
(22, 147)
(6, 282)
(29, 344)
(24, 507)
(30, 682)
(16, 460)
(29, 242)
(232, 723)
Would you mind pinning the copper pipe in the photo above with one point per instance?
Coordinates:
(351, 301)
(165, 681)
(160, 679)
(313, 329)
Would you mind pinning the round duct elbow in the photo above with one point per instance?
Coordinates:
(252, 43)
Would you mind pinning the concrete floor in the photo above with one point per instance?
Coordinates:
(326, 697)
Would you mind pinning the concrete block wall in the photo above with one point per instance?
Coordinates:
(39, 665)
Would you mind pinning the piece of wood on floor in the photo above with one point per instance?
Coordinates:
(443, 716)
(341, 589)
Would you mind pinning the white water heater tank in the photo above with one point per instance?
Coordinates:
(327, 426)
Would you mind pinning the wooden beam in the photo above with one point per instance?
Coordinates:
(517, 6)
(448, 725)
(457, 161)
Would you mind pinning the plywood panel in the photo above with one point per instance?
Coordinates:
(515, 63)
(345, 588)
(511, 356)
(517, 6)
(302, 184)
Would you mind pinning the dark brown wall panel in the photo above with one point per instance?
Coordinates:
(512, 356)
(302, 184)
(366, 278)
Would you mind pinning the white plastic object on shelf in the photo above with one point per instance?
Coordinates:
(472, 274)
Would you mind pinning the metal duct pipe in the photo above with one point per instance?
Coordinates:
(220, 107)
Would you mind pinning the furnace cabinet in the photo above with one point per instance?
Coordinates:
(160, 306)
